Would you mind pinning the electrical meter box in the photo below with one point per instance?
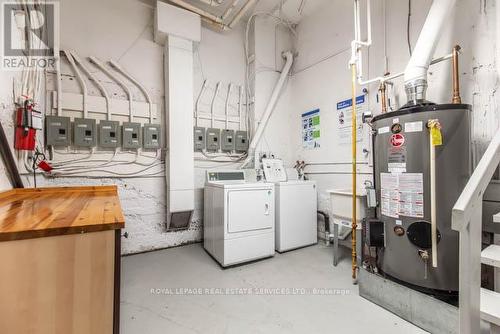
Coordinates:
(151, 136)
(241, 143)
(227, 141)
(84, 132)
(213, 139)
(199, 138)
(57, 131)
(109, 134)
(131, 135)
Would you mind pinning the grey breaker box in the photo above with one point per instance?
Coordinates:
(151, 136)
(213, 139)
(227, 141)
(109, 134)
(199, 138)
(241, 144)
(131, 135)
(57, 131)
(84, 132)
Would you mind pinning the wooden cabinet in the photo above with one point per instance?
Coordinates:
(60, 260)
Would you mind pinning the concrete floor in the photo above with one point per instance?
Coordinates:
(170, 309)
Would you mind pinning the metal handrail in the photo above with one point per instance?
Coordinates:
(466, 219)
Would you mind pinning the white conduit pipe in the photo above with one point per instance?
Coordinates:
(59, 85)
(427, 41)
(80, 80)
(97, 83)
(198, 101)
(226, 108)
(400, 74)
(117, 67)
(101, 66)
(239, 106)
(357, 43)
(212, 108)
(270, 107)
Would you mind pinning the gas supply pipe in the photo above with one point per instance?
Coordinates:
(354, 224)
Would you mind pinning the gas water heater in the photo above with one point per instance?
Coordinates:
(422, 162)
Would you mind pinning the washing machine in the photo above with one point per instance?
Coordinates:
(296, 207)
(239, 218)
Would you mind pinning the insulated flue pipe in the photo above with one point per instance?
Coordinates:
(270, 107)
(416, 71)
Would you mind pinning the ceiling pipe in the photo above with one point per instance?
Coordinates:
(194, 9)
(246, 7)
(213, 3)
(415, 76)
(270, 107)
(214, 21)
(230, 9)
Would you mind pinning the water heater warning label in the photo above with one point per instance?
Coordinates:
(402, 194)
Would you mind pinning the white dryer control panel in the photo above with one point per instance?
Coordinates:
(274, 170)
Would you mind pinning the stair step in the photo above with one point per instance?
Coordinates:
(490, 306)
(491, 256)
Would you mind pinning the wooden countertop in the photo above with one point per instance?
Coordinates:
(44, 212)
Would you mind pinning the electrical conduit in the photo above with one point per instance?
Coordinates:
(93, 78)
(117, 67)
(101, 66)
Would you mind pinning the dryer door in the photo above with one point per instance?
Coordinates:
(250, 210)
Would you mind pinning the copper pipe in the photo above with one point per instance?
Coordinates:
(383, 96)
(354, 171)
(456, 76)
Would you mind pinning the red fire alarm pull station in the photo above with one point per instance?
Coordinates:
(25, 134)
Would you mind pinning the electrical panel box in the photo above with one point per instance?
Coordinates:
(151, 136)
(199, 138)
(241, 143)
(227, 141)
(57, 131)
(131, 135)
(213, 139)
(84, 132)
(109, 134)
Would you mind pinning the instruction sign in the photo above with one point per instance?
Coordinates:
(402, 194)
(311, 129)
(344, 119)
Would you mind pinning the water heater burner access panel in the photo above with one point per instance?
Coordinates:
(131, 135)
